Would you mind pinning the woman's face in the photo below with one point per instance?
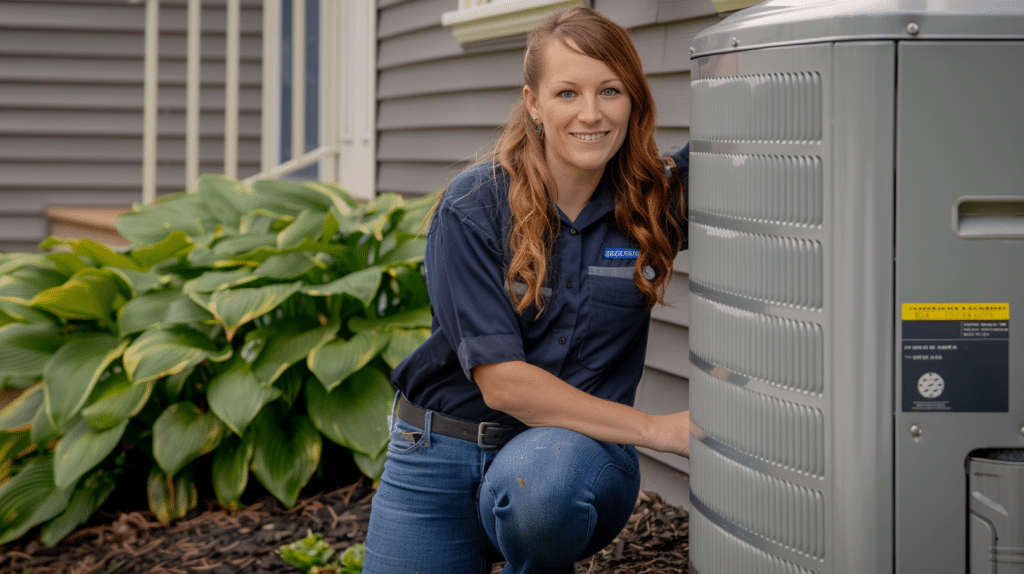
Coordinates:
(584, 109)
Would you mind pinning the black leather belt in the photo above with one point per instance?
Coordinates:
(486, 435)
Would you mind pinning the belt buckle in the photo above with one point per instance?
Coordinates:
(481, 430)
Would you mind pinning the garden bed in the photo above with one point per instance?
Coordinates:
(216, 541)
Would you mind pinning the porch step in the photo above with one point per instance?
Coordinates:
(96, 223)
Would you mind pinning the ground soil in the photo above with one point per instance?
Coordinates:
(215, 541)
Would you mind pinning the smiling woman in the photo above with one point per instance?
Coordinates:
(583, 110)
(514, 436)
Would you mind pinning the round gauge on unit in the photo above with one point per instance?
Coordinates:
(930, 385)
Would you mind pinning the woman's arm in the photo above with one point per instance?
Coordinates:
(538, 398)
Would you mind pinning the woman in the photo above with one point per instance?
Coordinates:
(542, 263)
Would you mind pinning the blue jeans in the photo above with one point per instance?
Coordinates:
(546, 499)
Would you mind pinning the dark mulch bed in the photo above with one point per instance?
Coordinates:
(217, 541)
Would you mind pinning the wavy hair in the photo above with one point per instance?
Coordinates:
(646, 211)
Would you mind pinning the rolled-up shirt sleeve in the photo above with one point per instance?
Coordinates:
(465, 278)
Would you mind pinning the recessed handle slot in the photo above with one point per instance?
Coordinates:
(989, 217)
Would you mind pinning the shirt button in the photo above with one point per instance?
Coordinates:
(569, 285)
(561, 340)
(572, 231)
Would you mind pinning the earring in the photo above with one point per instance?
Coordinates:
(537, 125)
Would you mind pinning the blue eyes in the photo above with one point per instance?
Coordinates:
(607, 92)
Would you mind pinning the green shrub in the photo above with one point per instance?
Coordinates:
(242, 326)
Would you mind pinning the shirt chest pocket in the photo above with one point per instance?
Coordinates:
(617, 312)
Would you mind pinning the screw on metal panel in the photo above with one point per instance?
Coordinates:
(915, 430)
(913, 28)
(735, 42)
(1021, 430)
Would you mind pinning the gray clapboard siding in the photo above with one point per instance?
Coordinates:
(99, 44)
(120, 16)
(72, 100)
(405, 17)
(422, 144)
(420, 46)
(440, 107)
(473, 72)
(104, 97)
(415, 178)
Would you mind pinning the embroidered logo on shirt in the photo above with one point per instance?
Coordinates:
(621, 253)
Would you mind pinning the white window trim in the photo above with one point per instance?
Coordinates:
(732, 5)
(500, 18)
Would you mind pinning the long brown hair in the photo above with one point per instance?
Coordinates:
(643, 206)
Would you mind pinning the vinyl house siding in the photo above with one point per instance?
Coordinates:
(71, 105)
(440, 106)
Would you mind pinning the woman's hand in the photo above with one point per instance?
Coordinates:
(671, 433)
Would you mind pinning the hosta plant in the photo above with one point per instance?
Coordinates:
(242, 327)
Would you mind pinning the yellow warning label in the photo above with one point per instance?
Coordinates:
(956, 311)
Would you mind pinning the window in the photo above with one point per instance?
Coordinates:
(312, 88)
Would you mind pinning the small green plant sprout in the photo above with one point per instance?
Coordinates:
(312, 555)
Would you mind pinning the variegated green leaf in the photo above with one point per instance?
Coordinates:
(73, 371)
(287, 452)
(308, 224)
(284, 266)
(67, 264)
(292, 197)
(89, 294)
(403, 343)
(43, 430)
(20, 412)
(159, 309)
(149, 224)
(183, 433)
(236, 395)
(164, 352)
(22, 285)
(286, 343)
(11, 262)
(136, 283)
(171, 497)
(415, 318)
(225, 198)
(214, 280)
(100, 254)
(81, 449)
(236, 307)
(371, 467)
(173, 245)
(29, 498)
(354, 414)
(26, 347)
(411, 250)
(361, 285)
(115, 400)
(230, 469)
(88, 496)
(337, 360)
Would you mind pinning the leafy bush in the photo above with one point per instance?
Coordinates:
(242, 326)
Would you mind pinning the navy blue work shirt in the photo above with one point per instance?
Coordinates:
(592, 333)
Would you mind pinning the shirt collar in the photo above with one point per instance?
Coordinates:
(601, 203)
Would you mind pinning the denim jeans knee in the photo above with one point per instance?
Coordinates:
(554, 496)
